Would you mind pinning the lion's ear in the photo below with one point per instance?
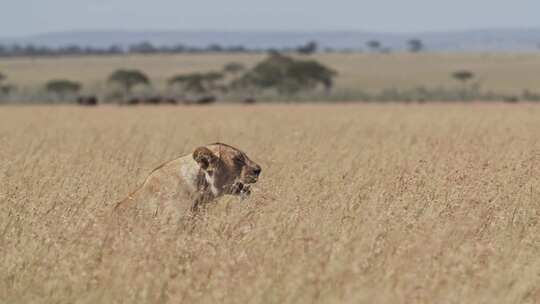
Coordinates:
(204, 157)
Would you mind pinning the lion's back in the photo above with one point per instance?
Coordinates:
(163, 191)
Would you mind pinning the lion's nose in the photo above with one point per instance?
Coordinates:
(257, 170)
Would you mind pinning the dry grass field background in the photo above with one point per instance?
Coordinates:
(504, 73)
(356, 204)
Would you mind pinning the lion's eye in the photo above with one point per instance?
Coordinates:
(238, 160)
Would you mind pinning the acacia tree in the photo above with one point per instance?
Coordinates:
(464, 76)
(128, 79)
(63, 87)
(288, 75)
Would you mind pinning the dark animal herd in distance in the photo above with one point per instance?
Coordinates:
(92, 100)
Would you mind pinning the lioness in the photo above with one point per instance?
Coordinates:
(187, 183)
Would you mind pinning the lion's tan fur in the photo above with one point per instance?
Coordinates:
(181, 186)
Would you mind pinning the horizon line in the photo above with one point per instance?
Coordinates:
(283, 31)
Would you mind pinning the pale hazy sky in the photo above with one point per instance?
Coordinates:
(22, 17)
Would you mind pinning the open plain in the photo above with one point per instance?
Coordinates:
(503, 73)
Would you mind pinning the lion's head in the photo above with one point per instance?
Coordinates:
(228, 170)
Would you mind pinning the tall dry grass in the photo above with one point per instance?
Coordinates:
(356, 204)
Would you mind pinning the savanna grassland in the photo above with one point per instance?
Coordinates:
(364, 203)
(504, 73)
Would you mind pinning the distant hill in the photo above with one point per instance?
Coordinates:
(491, 40)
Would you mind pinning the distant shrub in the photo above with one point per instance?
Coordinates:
(234, 68)
(530, 96)
(7, 89)
(463, 75)
(308, 49)
(198, 84)
(511, 99)
(63, 88)
(374, 45)
(128, 79)
(415, 45)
